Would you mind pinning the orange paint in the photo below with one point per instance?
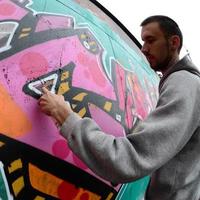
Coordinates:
(44, 181)
(49, 184)
(14, 121)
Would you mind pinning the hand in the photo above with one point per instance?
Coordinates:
(54, 105)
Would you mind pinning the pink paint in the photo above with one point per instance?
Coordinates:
(139, 97)
(60, 149)
(42, 59)
(79, 163)
(103, 119)
(92, 71)
(89, 72)
(33, 64)
(120, 78)
(9, 10)
(58, 53)
(53, 22)
(129, 110)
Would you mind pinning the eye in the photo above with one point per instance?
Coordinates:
(150, 41)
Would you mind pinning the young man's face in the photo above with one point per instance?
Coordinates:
(156, 46)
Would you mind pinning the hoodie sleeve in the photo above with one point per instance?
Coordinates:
(151, 144)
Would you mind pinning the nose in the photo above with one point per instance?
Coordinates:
(144, 49)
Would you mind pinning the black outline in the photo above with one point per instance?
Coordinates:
(46, 162)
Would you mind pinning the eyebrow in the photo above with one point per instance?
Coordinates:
(148, 37)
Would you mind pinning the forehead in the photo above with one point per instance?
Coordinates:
(151, 30)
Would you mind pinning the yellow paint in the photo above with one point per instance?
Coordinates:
(14, 122)
(64, 87)
(82, 112)
(44, 181)
(94, 49)
(39, 198)
(109, 196)
(64, 76)
(17, 164)
(92, 196)
(26, 29)
(23, 35)
(18, 185)
(2, 144)
(92, 43)
(130, 81)
(80, 96)
(83, 36)
(108, 106)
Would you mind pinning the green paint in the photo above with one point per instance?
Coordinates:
(3, 184)
(3, 194)
(134, 190)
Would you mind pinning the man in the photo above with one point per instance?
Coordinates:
(166, 144)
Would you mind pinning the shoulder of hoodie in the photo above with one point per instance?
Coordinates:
(182, 80)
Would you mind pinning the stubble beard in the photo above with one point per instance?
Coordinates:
(164, 65)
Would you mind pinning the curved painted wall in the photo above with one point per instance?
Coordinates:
(75, 50)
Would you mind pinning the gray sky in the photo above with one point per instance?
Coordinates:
(186, 13)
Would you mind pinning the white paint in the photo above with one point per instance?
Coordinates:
(7, 30)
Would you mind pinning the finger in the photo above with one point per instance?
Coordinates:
(68, 104)
(45, 111)
(43, 98)
(42, 103)
(45, 90)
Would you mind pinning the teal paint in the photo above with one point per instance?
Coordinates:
(133, 191)
(4, 190)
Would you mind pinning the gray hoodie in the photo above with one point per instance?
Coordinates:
(166, 145)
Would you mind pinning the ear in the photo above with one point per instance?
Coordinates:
(174, 42)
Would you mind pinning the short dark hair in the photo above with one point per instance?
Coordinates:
(167, 25)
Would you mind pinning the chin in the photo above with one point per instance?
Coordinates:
(154, 67)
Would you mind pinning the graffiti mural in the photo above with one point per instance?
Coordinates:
(69, 47)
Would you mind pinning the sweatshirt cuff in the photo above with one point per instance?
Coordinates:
(69, 124)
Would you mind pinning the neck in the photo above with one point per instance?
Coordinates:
(170, 64)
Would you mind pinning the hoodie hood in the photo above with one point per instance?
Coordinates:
(184, 64)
